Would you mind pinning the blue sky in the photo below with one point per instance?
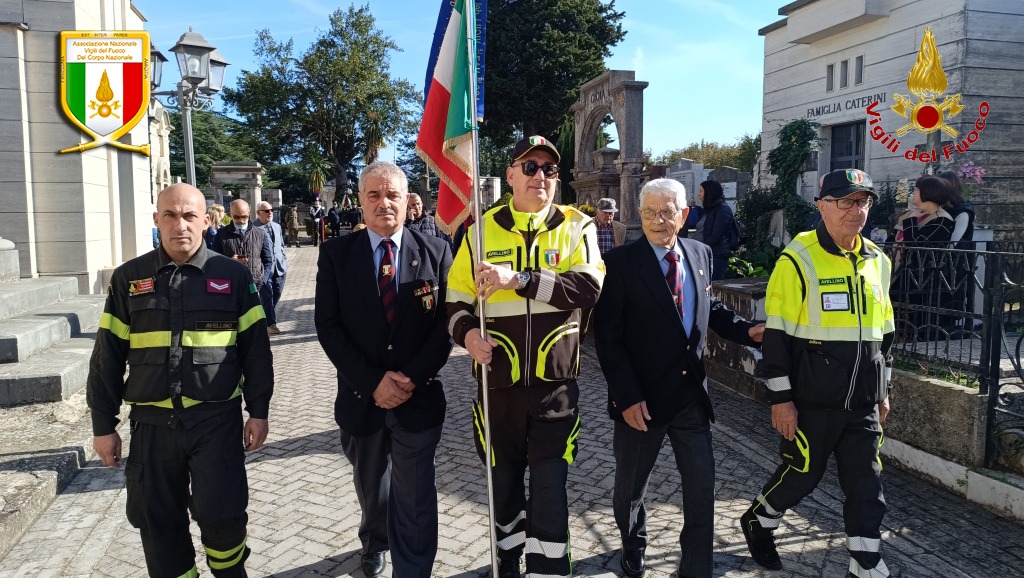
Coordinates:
(702, 58)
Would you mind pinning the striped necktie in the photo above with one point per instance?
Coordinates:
(674, 278)
(386, 280)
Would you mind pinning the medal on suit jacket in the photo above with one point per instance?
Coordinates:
(428, 302)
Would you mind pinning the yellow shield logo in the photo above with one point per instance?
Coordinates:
(104, 85)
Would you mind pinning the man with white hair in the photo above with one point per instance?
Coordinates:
(274, 275)
(651, 324)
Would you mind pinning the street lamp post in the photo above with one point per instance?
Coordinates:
(202, 76)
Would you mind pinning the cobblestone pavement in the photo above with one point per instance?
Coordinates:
(304, 515)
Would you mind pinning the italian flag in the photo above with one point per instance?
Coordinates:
(104, 96)
(445, 141)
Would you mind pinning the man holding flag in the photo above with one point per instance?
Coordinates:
(540, 271)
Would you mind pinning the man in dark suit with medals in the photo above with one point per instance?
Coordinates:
(651, 324)
(378, 320)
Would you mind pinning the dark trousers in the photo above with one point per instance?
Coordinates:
(164, 463)
(854, 437)
(719, 266)
(270, 294)
(393, 471)
(635, 455)
(547, 445)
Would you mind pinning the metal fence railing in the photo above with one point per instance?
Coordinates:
(960, 309)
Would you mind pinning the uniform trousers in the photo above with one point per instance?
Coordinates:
(636, 453)
(393, 471)
(164, 463)
(854, 437)
(535, 427)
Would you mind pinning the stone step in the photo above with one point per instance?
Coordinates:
(10, 268)
(26, 334)
(27, 294)
(50, 375)
(53, 444)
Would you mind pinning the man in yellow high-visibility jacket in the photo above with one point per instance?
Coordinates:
(826, 357)
(540, 271)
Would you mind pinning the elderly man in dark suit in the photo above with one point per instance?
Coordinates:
(379, 318)
(651, 324)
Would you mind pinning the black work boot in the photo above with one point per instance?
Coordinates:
(509, 568)
(760, 542)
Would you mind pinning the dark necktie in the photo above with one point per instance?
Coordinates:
(386, 280)
(674, 278)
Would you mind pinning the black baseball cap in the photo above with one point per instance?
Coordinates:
(534, 142)
(842, 182)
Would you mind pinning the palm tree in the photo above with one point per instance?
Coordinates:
(317, 168)
(373, 136)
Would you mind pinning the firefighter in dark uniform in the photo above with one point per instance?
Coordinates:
(826, 357)
(189, 324)
(539, 270)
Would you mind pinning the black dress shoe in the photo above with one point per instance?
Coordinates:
(632, 562)
(373, 564)
(760, 543)
(509, 569)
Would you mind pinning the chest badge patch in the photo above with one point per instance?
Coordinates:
(222, 286)
(876, 292)
(141, 287)
(552, 258)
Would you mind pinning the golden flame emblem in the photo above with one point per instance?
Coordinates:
(104, 94)
(927, 81)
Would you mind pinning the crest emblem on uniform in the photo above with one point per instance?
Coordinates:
(141, 287)
(552, 257)
(876, 292)
(104, 85)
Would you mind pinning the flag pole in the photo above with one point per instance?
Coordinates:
(477, 248)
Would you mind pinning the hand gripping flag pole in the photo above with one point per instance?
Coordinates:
(477, 250)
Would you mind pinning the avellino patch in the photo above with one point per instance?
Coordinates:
(502, 253)
(216, 325)
(831, 281)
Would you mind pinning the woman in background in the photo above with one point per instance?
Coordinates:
(961, 211)
(716, 227)
(216, 213)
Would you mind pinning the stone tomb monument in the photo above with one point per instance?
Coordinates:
(248, 174)
(609, 172)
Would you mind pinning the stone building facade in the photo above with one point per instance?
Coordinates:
(829, 60)
(70, 214)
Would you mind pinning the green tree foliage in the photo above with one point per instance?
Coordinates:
(796, 140)
(215, 138)
(338, 95)
(741, 155)
(291, 179)
(539, 53)
(709, 154)
(749, 149)
(316, 167)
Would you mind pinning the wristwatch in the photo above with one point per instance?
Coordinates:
(524, 280)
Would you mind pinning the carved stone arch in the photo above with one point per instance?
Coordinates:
(610, 172)
(591, 130)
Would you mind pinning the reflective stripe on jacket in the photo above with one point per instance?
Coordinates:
(538, 329)
(830, 324)
(188, 334)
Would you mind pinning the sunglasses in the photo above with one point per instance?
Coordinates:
(530, 168)
(262, 210)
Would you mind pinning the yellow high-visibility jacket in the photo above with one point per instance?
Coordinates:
(830, 324)
(537, 329)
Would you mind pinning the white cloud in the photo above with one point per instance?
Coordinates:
(639, 60)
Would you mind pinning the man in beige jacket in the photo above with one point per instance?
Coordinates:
(610, 233)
